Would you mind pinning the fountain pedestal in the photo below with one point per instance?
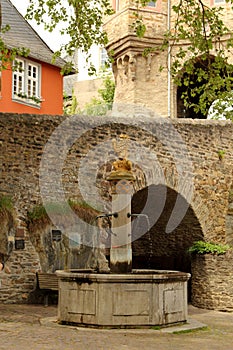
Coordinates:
(121, 250)
(121, 180)
(142, 298)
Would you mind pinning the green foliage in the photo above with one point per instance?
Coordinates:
(7, 56)
(201, 247)
(205, 78)
(198, 31)
(39, 211)
(81, 20)
(221, 154)
(108, 90)
(96, 107)
(138, 26)
(80, 203)
(185, 331)
(33, 98)
(222, 108)
(70, 104)
(156, 328)
(38, 217)
(6, 203)
(36, 213)
(100, 106)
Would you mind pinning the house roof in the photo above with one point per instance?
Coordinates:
(21, 34)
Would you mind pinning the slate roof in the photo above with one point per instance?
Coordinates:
(22, 34)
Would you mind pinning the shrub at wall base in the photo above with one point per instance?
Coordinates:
(212, 277)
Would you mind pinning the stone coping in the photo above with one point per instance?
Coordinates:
(136, 276)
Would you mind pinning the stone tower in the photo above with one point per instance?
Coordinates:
(136, 68)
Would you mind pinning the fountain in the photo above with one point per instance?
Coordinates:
(122, 297)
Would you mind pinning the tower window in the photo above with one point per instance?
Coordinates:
(151, 3)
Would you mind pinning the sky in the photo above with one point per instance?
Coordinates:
(53, 40)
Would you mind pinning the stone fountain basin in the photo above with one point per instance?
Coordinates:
(143, 298)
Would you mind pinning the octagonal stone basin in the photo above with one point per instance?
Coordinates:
(143, 298)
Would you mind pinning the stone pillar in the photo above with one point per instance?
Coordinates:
(121, 250)
(121, 180)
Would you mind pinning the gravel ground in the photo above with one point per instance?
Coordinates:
(34, 327)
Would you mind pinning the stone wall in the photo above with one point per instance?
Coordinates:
(86, 90)
(229, 218)
(86, 144)
(212, 281)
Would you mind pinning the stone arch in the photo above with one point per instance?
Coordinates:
(174, 182)
(189, 112)
(157, 249)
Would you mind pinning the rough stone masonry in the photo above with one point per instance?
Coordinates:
(208, 148)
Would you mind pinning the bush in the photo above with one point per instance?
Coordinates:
(201, 247)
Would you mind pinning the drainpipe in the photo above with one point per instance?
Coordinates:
(169, 61)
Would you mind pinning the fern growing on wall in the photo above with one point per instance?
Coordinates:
(201, 247)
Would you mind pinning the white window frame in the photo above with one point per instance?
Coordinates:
(117, 5)
(26, 82)
(103, 58)
(218, 2)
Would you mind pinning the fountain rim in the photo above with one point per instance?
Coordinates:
(137, 275)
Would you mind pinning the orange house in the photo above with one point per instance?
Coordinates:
(36, 87)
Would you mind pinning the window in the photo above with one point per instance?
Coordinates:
(104, 61)
(151, 3)
(26, 82)
(217, 2)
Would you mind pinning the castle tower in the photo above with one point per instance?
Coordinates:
(136, 68)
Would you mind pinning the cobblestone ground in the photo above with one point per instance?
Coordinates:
(32, 327)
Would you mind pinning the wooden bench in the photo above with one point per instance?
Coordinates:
(48, 283)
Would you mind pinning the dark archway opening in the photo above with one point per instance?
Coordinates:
(157, 249)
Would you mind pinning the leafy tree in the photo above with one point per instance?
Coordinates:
(82, 21)
(200, 64)
(108, 90)
(199, 42)
(8, 55)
